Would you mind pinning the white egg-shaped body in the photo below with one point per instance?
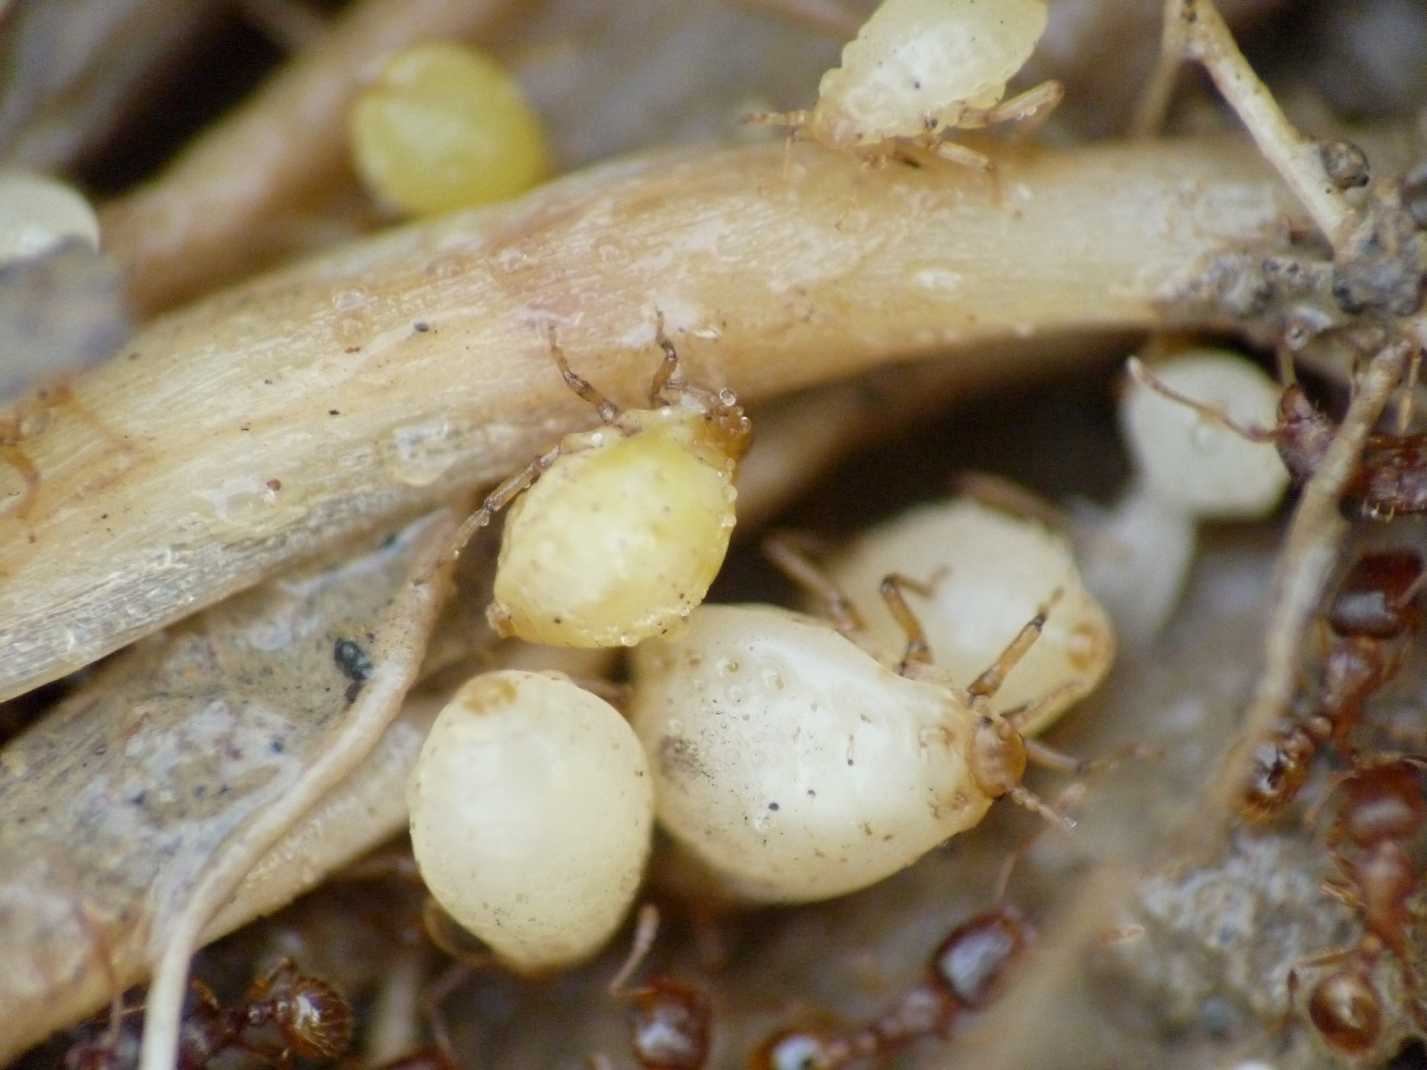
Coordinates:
(990, 573)
(791, 763)
(37, 213)
(1188, 461)
(531, 815)
(919, 65)
(621, 538)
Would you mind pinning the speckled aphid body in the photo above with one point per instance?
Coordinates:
(616, 534)
(919, 69)
(798, 767)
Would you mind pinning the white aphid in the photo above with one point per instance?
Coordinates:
(531, 814)
(37, 213)
(1188, 461)
(616, 534)
(798, 767)
(989, 572)
(920, 68)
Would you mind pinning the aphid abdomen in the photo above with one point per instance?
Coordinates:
(616, 542)
(792, 763)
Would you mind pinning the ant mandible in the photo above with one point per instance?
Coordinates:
(1374, 608)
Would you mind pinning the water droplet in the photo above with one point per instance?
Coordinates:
(727, 666)
(772, 679)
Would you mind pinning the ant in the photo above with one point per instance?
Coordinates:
(963, 975)
(1373, 609)
(1382, 812)
(313, 1019)
(1391, 476)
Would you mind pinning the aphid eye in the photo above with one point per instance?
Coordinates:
(444, 127)
(521, 837)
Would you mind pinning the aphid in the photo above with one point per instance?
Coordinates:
(797, 767)
(919, 69)
(1391, 477)
(965, 973)
(531, 813)
(445, 127)
(1377, 823)
(988, 573)
(37, 213)
(1373, 610)
(615, 534)
(1194, 464)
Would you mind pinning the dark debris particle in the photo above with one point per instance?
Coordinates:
(421, 326)
(354, 663)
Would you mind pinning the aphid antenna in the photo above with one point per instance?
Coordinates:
(646, 931)
(1213, 413)
(1025, 797)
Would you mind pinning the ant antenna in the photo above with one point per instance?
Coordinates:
(1214, 413)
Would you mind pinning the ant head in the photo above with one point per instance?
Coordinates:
(315, 1019)
(793, 1049)
(996, 755)
(970, 963)
(1346, 1009)
(1279, 768)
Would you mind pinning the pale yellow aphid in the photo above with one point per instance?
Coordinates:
(919, 69)
(445, 127)
(1190, 462)
(37, 213)
(797, 767)
(531, 815)
(627, 525)
(986, 573)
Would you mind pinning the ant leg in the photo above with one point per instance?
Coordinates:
(991, 678)
(1213, 413)
(608, 410)
(667, 377)
(956, 153)
(790, 552)
(918, 653)
(506, 492)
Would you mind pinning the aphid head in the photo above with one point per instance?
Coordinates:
(1346, 1009)
(971, 962)
(996, 755)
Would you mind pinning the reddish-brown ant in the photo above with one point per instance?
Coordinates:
(1391, 476)
(312, 1018)
(1373, 609)
(1378, 818)
(964, 974)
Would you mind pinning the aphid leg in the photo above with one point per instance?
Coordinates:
(503, 495)
(1409, 392)
(667, 378)
(451, 939)
(1213, 413)
(793, 120)
(646, 930)
(791, 553)
(1027, 110)
(992, 677)
(957, 153)
(918, 653)
(608, 410)
(1049, 758)
(1007, 496)
(825, 16)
